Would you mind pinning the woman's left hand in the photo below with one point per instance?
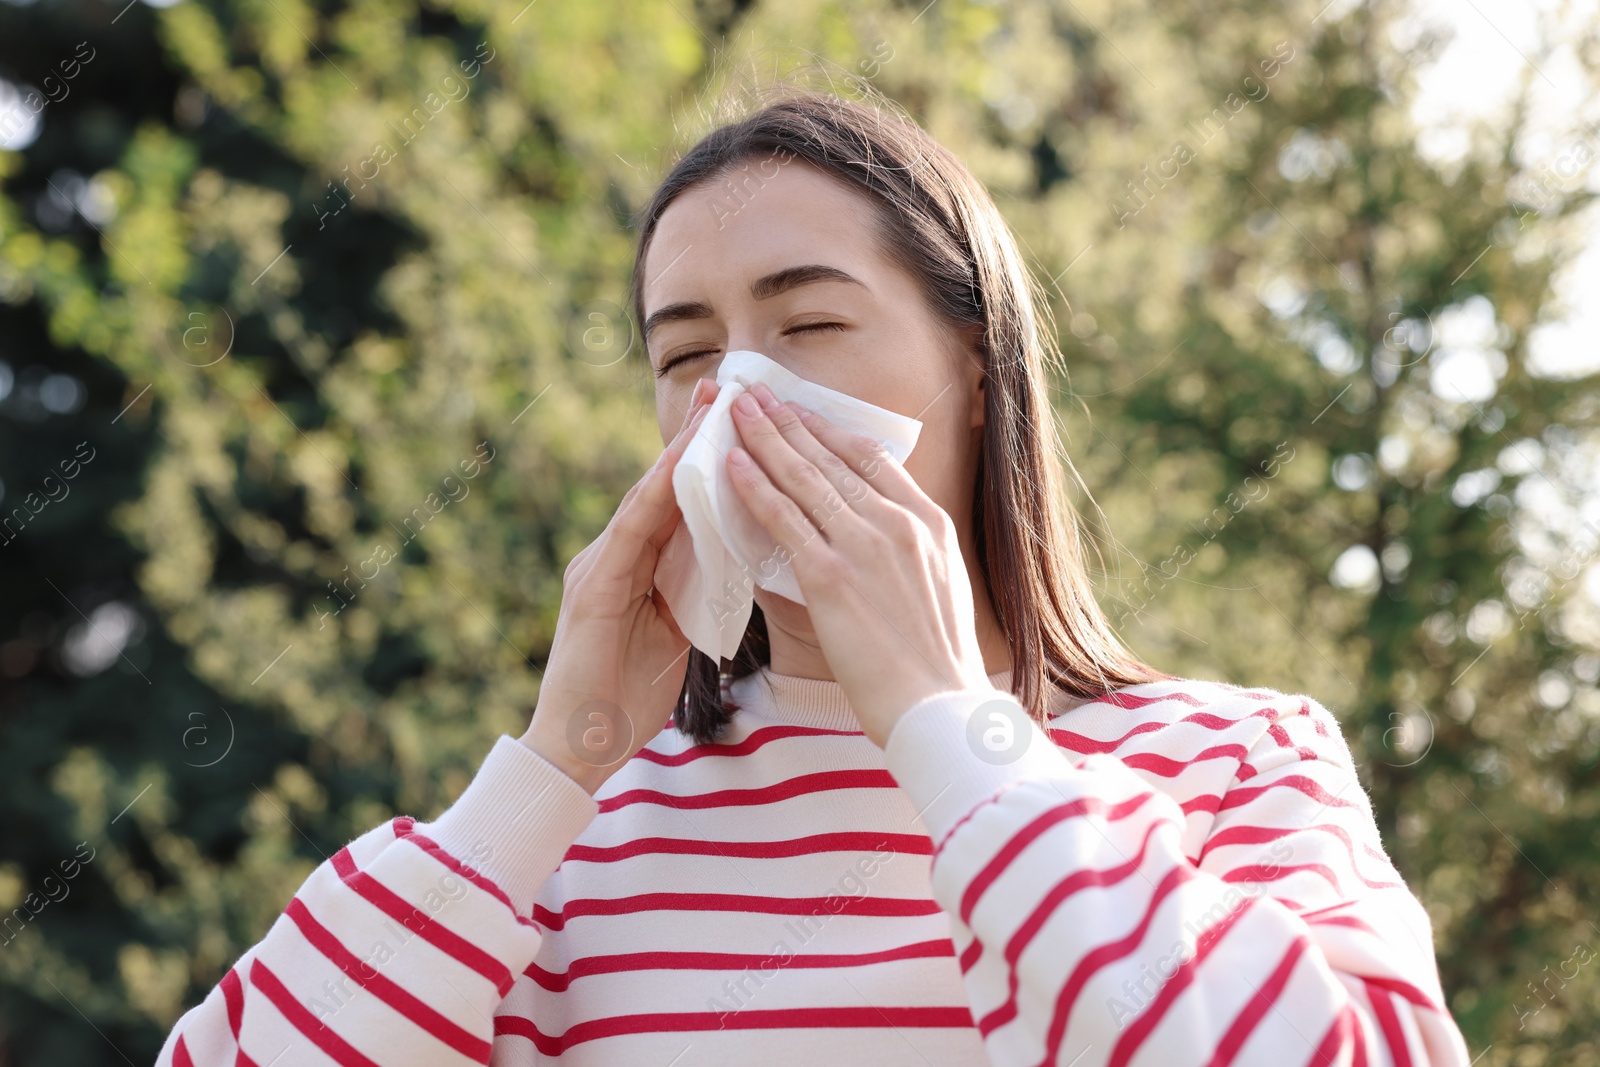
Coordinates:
(878, 561)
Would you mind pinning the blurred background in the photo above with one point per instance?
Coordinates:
(1326, 276)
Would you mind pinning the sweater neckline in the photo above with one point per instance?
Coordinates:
(814, 702)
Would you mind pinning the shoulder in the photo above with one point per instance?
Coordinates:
(1190, 713)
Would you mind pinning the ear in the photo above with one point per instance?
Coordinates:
(972, 366)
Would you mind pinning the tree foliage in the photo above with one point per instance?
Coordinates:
(321, 306)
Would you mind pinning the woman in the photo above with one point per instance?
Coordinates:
(860, 847)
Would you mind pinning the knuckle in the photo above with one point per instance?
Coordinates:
(939, 521)
(836, 468)
(575, 566)
(799, 530)
(905, 529)
(870, 459)
(803, 472)
(829, 567)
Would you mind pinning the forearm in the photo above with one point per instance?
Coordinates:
(399, 948)
(1078, 913)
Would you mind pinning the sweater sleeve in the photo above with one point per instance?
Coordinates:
(1087, 934)
(398, 949)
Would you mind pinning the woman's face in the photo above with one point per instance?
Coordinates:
(714, 282)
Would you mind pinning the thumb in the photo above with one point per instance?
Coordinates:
(664, 610)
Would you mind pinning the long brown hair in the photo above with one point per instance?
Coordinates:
(938, 222)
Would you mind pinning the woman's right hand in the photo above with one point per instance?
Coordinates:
(618, 660)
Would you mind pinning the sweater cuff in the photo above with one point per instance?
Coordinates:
(520, 814)
(952, 751)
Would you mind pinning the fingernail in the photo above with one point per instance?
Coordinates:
(805, 413)
(768, 400)
(747, 404)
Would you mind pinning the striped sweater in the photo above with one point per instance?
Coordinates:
(1178, 873)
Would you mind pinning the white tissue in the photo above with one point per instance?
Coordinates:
(707, 568)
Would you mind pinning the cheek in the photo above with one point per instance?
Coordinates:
(672, 401)
(939, 467)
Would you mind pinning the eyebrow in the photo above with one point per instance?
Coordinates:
(763, 288)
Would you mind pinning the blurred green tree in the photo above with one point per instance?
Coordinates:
(341, 286)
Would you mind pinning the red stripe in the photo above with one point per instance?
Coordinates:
(970, 954)
(419, 922)
(801, 785)
(455, 866)
(180, 1054)
(1126, 699)
(816, 844)
(1037, 826)
(835, 1018)
(1308, 786)
(1281, 736)
(336, 1047)
(1206, 803)
(1167, 767)
(233, 996)
(959, 823)
(1389, 1023)
(756, 739)
(1260, 835)
(1098, 957)
(582, 906)
(707, 961)
(1258, 873)
(1343, 920)
(1406, 990)
(1258, 1005)
(1346, 1032)
(405, 1004)
(1209, 720)
(1141, 1027)
(1252, 694)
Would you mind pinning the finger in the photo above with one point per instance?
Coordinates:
(699, 402)
(779, 515)
(789, 456)
(805, 440)
(705, 391)
(665, 611)
(650, 511)
(868, 459)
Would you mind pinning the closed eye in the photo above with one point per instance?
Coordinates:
(665, 367)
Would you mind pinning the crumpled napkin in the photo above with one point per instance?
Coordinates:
(718, 553)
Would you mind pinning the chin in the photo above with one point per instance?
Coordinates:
(774, 606)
